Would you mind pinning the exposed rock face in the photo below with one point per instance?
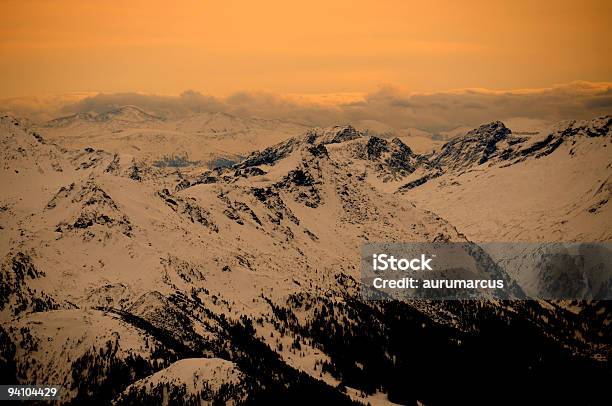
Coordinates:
(319, 151)
(303, 186)
(273, 201)
(249, 171)
(94, 213)
(189, 208)
(341, 135)
(418, 182)
(185, 270)
(376, 147)
(270, 155)
(16, 296)
(114, 296)
(96, 207)
(314, 140)
(568, 132)
(236, 210)
(476, 147)
(23, 149)
(393, 159)
(493, 143)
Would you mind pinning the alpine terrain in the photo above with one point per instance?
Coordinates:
(138, 268)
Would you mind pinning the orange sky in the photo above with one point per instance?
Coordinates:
(219, 47)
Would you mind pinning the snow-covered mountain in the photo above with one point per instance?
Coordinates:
(197, 137)
(125, 115)
(497, 186)
(126, 282)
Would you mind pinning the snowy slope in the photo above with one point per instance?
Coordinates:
(200, 137)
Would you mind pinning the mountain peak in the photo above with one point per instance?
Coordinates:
(128, 113)
(332, 135)
(475, 147)
(493, 130)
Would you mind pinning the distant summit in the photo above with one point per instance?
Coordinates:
(126, 114)
(130, 114)
(204, 136)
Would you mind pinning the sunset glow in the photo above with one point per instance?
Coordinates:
(316, 47)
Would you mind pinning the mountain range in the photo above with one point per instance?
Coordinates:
(128, 281)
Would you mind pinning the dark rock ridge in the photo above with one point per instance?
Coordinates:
(189, 208)
(494, 143)
(418, 182)
(342, 134)
(15, 294)
(272, 200)
(314, 140)
(235, 210)
(599, 127)
(393, 159)
(96, 208)
(270, 155)
(491, 143)
(474, 148)
(303, 185)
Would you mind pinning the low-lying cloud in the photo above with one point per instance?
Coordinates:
(389, 105)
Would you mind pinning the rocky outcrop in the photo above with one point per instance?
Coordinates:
(493, 143)
(270, 155)
(303, 186)
(189, 209)
(248, 172)
(393, 159)
(312, 140)
(236, 209)
(334, 136)
(96, 207)
(568, 132)
(272, 200)
(16, 296)
(417, 182)
(475, 148)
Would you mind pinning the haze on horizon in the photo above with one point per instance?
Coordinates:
(431, 65)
